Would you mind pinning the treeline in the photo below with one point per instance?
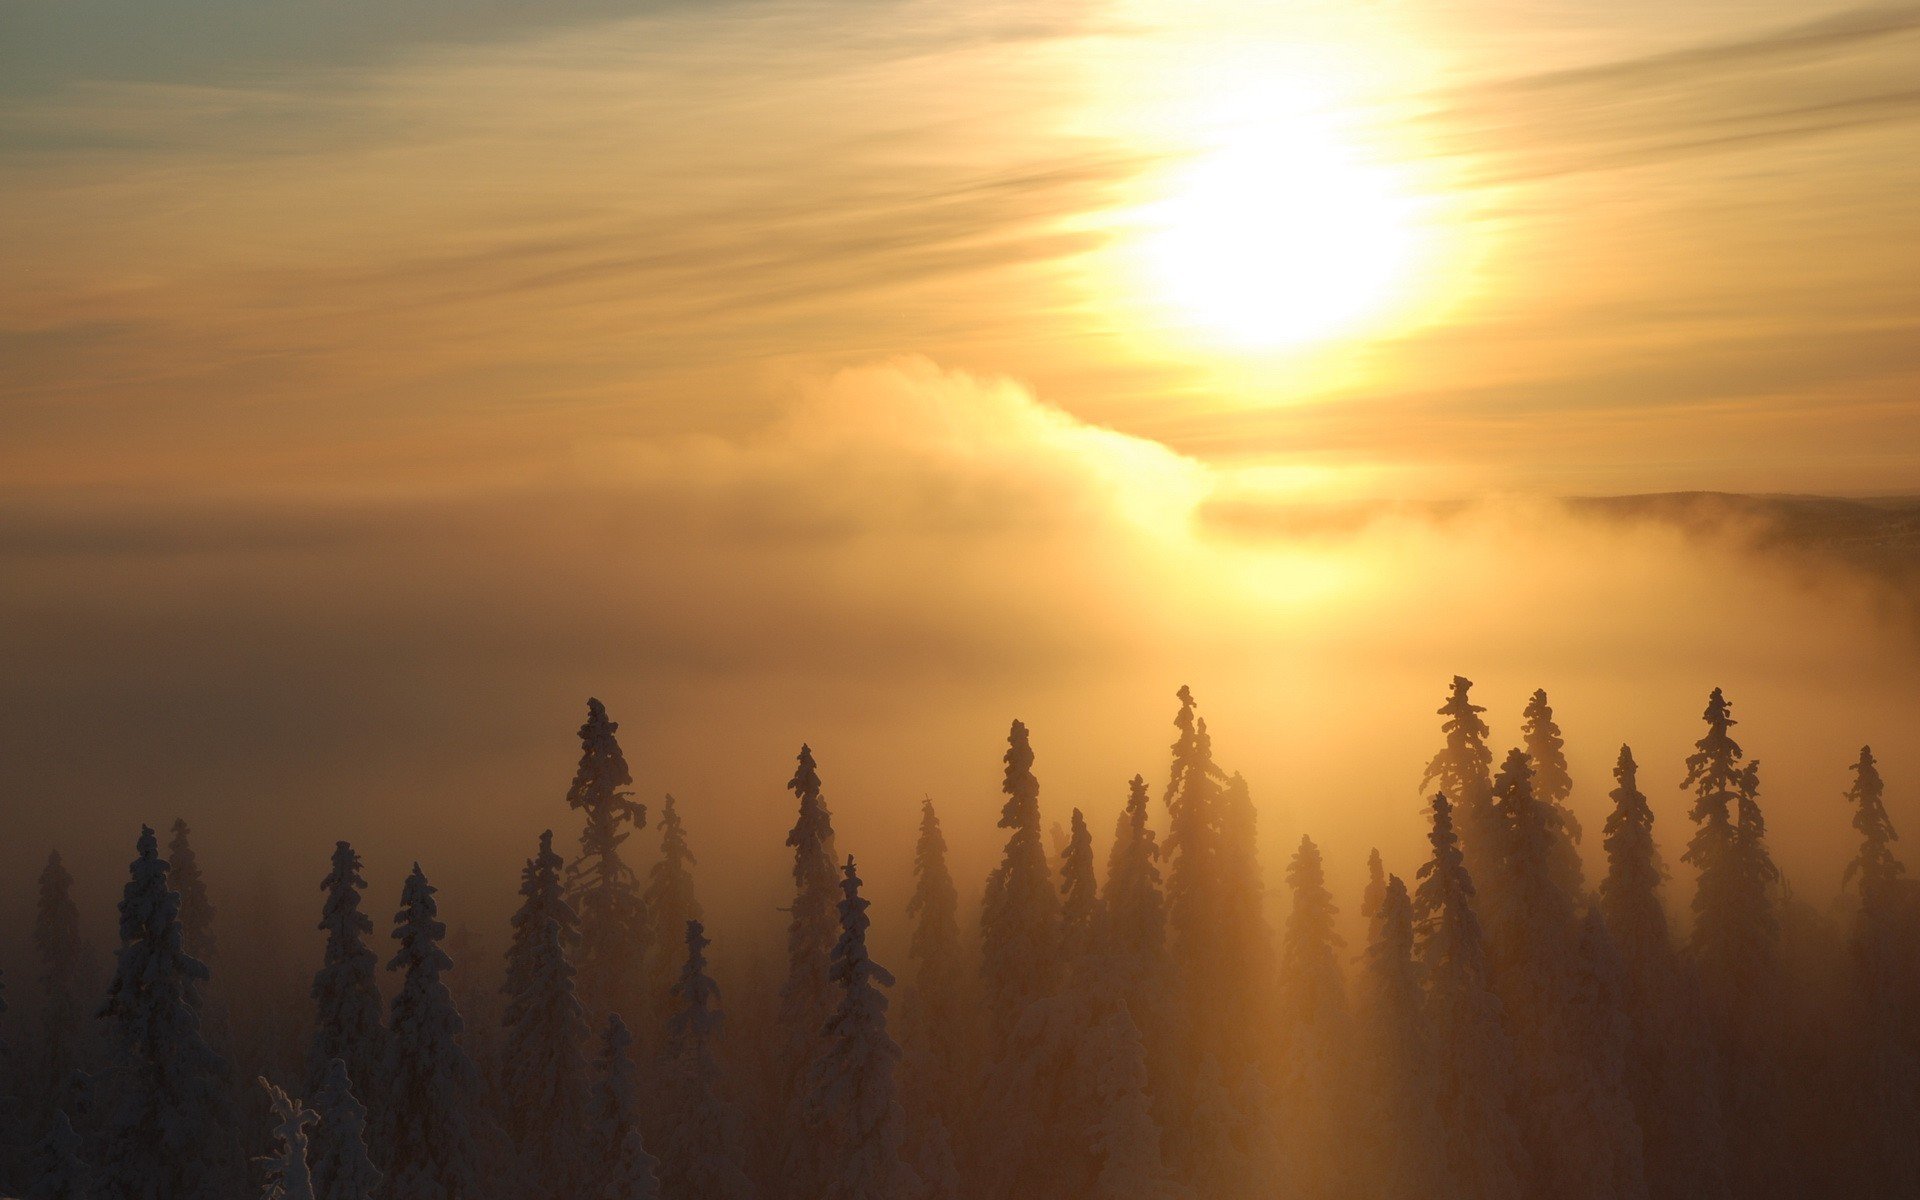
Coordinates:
(1511, 1030)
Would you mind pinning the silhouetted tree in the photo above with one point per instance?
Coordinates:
(702, 1153)
(1477, 1087)
(1316, 1088)
(806, 998)
(1402, 1137)
(935, 1015)
(288, 1177)
(342, 1169)
(603, 888)
(1671, 1067)
(1463, 772)
(620, 1167)
(1125, 1136)
(427, 1120)
(167, 1134)
(57, 1171)
(1020, 919)
(544, 1074)
(855, 1111)
(196, 911)
(670, 903)
(345, 992)
(57, 944)
(1552, 785)
(1375, 895)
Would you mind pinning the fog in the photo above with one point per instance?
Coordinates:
(899, 564)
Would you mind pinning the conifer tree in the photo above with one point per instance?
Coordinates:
(1020, 919)
(1552, 785)
(431, 1150)
(58, 1171)
(1404, 1140)
(342, 1169)
(1080, 913)
(1473, 1064)
(670, 903)
(603, 889)
(621, 1168)
(1736, 926)
(1671, 1070)
(1136, 907)
(933, 1161)
(701, 1156)
(1581, 1132)
(1463, 772)
(288, 1177)
(806, 998)
(167, 1135)
(935, 1016)
(1375, 896)
(1126, 1138)
(345, 992)
(1314, 1116)
(1193, 824)
(1248, 941)
(1883, 962)
(196, 911)
(57, 944)
(544, 1077)
(856, 1112)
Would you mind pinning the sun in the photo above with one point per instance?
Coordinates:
(1281, 235)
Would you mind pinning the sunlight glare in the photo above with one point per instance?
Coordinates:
(1282, 235)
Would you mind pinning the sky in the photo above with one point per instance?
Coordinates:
(379, 380)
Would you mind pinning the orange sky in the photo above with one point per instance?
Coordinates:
(379, 379)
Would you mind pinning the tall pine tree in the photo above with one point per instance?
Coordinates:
(619, 1166)
(1552, 785)
(196, 910)
(855, 1110)
(427, 1120)
(544, 1074)
(167, 1132)
(62, 954)
(1474, 1065)
(702, 1153)
(935, 1013)
(603, 888)
(346, 991)
(1403, 1139)
(1020, 918)
(806, 998)
(342, 1169)
(670, 903)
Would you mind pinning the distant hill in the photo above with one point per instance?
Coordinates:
(1881, 535)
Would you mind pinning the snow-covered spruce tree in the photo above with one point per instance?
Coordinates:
(1081, 917)
(1552, 785)
(342, 1169)
(618, 1164)
(670, 903)
(1473, 1057)
(61, 954)
(1883, 964)
(57, 1170)
(931, 1156)
(288, 1177)
(167, 1123)
(1736, 925)
(543, 1073)
(1577, 1118)
(1315, 1090)
(1672, 1071)
(1246, 936)
(1375, 895)
(603, 888)
(1193, 849)
(346, 992)
(1236, 1155)
(431, 1152)
(702, 1153)
(1463, 771)
(807, 995)
(196, 911)
(1404, 1141)
(936, 1017)
(1125, 1136)
(1020, 918)
(1136, 906)
(855, 1110)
